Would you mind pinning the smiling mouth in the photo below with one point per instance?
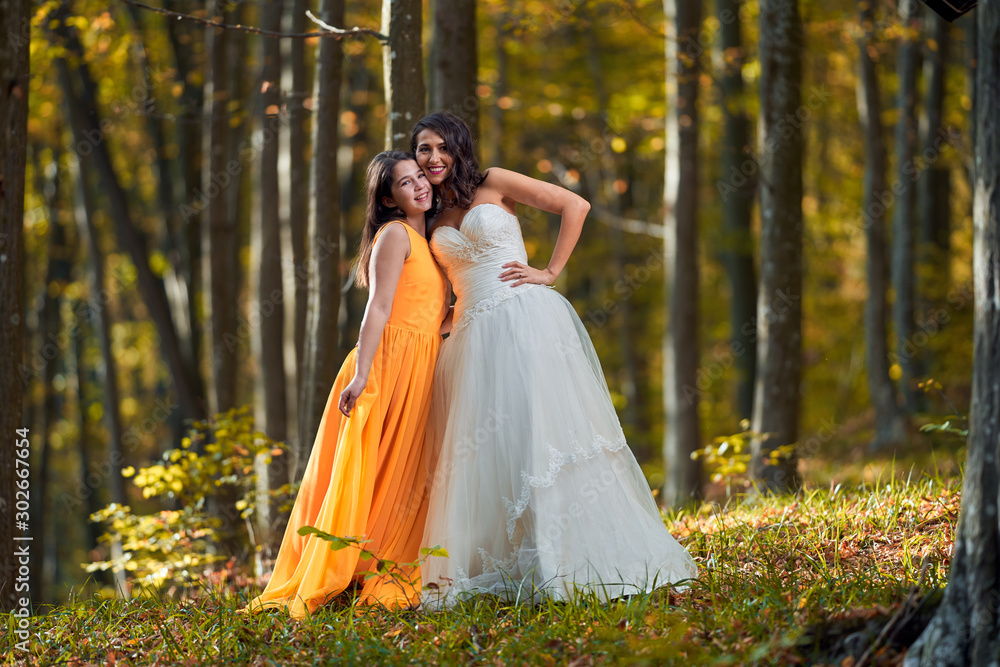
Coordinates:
(422, 197)
(435, 170)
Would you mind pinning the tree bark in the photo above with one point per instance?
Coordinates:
(269, 304)
(779, 303)
(299, 122)
(108, 369)
(680, 345)
(966, 628)
(16, 31)
(320, 367)
(402, 63)
(933, 194)
(904, 219)
(889, 425)
(51, 351)
(219, 235)
(86, 490)
(454, 61)
(190, 139)
(737, 191)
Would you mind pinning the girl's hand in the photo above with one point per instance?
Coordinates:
(350, 395)
(523, 273)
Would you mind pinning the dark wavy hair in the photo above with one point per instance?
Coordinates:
(378, 186)
(465, 176)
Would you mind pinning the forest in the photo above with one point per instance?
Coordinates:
(790, 273)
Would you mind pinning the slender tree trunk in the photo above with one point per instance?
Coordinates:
(108, 369)
(889, 425)
(934, 191)
(779, 303)
(403, 67)
(904, 217)
(219, 235)
(189, 137)
(454, 61)
(737, 191)
(86, 490)
(680, 350)
(966, 628)
(299, 122)
(320, 367)
(268, 338)
(57, 275)
(500, 89)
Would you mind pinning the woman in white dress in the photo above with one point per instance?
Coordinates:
(534, 490)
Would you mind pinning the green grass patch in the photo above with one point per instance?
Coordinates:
(770, 569)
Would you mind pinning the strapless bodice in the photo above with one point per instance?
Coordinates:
(473, 257)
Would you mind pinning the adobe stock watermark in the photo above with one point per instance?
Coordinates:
(912, 169)
(723, 361)
(247, 151)
(737, 177)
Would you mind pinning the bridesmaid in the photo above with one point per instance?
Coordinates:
(365, 476)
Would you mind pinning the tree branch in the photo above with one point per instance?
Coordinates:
(328, 30)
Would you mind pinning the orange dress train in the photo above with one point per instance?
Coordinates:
(366, 475)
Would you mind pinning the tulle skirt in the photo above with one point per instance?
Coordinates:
(534, 491)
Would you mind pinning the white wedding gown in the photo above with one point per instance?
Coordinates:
(534, 490)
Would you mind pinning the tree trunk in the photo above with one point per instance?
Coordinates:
(86, 490)
(51, 351)
(16, 31)
(189, 138)
(737, 191)
(779, 301)
(500, 89)
(933, 194)
(454, 61)
(320, 367)
(889, 425)
(219, 235)
(108, 370)
(402, 63)
(904, 218)
(81, 103)
(680, 195)
(269, 304)
(299, 121)
(966, 628)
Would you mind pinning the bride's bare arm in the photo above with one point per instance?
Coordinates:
(388, 255)
(548, 197)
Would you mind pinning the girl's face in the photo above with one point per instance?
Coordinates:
(433, 156)
(411, 193)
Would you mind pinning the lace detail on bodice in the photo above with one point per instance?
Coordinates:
(473, 257)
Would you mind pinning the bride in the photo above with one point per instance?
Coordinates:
(534, 490)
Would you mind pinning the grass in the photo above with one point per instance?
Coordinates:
(773, 572)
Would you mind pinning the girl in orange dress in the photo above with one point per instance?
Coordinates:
(365, 477)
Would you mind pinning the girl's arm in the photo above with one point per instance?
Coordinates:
(448, 321)
(548, 197)
(390, 251)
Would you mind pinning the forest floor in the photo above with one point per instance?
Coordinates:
(817, 578)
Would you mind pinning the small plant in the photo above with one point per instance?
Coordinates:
(727, 458)
(212, 474)
(931, 385)
(383, 566)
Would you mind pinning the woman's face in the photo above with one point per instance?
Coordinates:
(411, 192)
(433, 156)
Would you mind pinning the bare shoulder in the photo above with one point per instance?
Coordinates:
(392, 238)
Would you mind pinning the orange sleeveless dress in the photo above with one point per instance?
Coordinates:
(366, 475)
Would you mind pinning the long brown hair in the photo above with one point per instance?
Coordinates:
(378, 186)
(465, 176)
